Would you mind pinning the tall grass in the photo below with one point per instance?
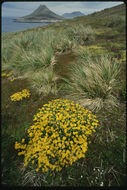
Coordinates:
(94, 82)
(28, 51)
(80, 33)
(33, 50)
(32, 56)
(38, 60)
(25, 42)
(62, 43)
(24, 61)
(48, 37)
(45, 81)
(6, 52)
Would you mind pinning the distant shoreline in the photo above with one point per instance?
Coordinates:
(36, 21)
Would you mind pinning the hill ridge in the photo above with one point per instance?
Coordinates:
(73, 14)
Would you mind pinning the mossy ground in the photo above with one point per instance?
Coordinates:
(105, 158)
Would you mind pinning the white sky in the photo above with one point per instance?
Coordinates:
(18, 9)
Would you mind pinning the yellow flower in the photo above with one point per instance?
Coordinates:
(20, 95)
(6, 74)
(3, 74)
(13, 79)
(23, 140)
(59, 135)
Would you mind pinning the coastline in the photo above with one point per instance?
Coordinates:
(8, 25)
(36, 21)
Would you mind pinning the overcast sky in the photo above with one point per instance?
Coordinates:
(18, 9)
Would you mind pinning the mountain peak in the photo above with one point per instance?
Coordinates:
(41, 13)
(43, 6)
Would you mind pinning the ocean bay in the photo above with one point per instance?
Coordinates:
(8, 25)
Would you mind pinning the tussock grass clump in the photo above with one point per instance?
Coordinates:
(38, 59)
(93, 83)
(26, 61)
(24, 41)
(80, 33)
(21, 50)
(59, 137)
(62, 43)
(45, 81)
(32, 56)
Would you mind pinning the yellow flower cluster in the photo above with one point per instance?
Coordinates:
(9, 75)
(20, 95)
(12, 79)
(6, 74)
(59, 135)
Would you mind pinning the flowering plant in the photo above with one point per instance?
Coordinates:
(20, 95)
(6, 74)
(12, 79)
(59, 135)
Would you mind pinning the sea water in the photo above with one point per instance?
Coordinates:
(8, 25)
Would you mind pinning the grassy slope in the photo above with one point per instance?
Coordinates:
(106, 153)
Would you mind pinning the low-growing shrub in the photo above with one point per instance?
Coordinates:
(59, 136)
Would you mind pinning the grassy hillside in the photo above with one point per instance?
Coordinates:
(73, 72)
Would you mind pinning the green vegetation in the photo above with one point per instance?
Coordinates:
(81, 59)
(93, 83)
(59, 136)
(80, 33)
(45, 82)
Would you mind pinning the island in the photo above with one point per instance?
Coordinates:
(42, 14)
